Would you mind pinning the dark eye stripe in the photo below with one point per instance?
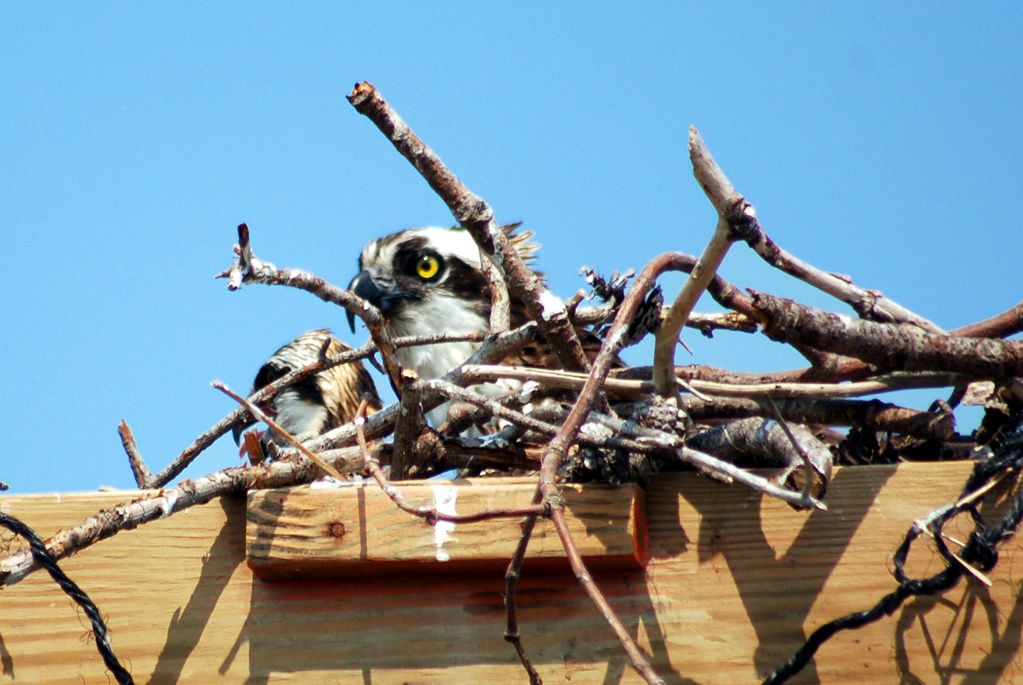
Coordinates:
(466, 281)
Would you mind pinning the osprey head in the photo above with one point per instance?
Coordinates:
(429, 272)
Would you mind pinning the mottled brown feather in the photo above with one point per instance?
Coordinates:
(339, 389)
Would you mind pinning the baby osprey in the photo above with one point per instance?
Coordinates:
(318, 403)
(427, 281)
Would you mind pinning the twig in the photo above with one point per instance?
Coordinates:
(726, 321)
(138, 466)
(461, 417)
(453, 453)
(707, 462)
(613, 343)
(500, 302)
(377, 425)
(510, 340)
(744, 224)
(472, 212)
(742, 317)
(380, 423)
(532, 421)
(731, 208)
(440, 387)
(469, 209)
(819, 464)
(643, 443)
(636, 655)
(765, 438)
(870, 304)
(424, 340)
(277, 428)
(629, 387)
(999, 326)
(728, 202)
(511, 584)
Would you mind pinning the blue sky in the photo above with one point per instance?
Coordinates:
(877, 140)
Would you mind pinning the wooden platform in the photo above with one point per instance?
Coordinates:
(357, 531)
(733, 585)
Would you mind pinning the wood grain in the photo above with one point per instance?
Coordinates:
(733, 585)
(358, 531)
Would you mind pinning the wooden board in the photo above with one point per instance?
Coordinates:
(734, 584)
(358, 531)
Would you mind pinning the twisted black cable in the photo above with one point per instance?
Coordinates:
(980, 549)
(99, 628)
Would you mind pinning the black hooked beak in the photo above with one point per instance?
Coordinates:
(385, 299)
(237, 430)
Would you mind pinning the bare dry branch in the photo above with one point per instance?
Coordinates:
(705, 322)
(999, 326)
(641, 441)
(160, 504)
(470, 210)
(511, 584)
(613, 343)
(627, 387)
(138, 466)
(700, 276)
(279, 430)
(636, 655)
(870, 304)
(893, 346)
(733, 211)
(410, 424)
(733, 206)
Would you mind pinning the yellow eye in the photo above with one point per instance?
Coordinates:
(427, 267)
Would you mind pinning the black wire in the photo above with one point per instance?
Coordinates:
(99, 628)
(981, 549)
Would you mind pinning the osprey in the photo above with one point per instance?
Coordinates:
(427, 281)
(318, 403)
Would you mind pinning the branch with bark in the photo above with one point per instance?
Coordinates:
(890, 346)
(152, 505)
